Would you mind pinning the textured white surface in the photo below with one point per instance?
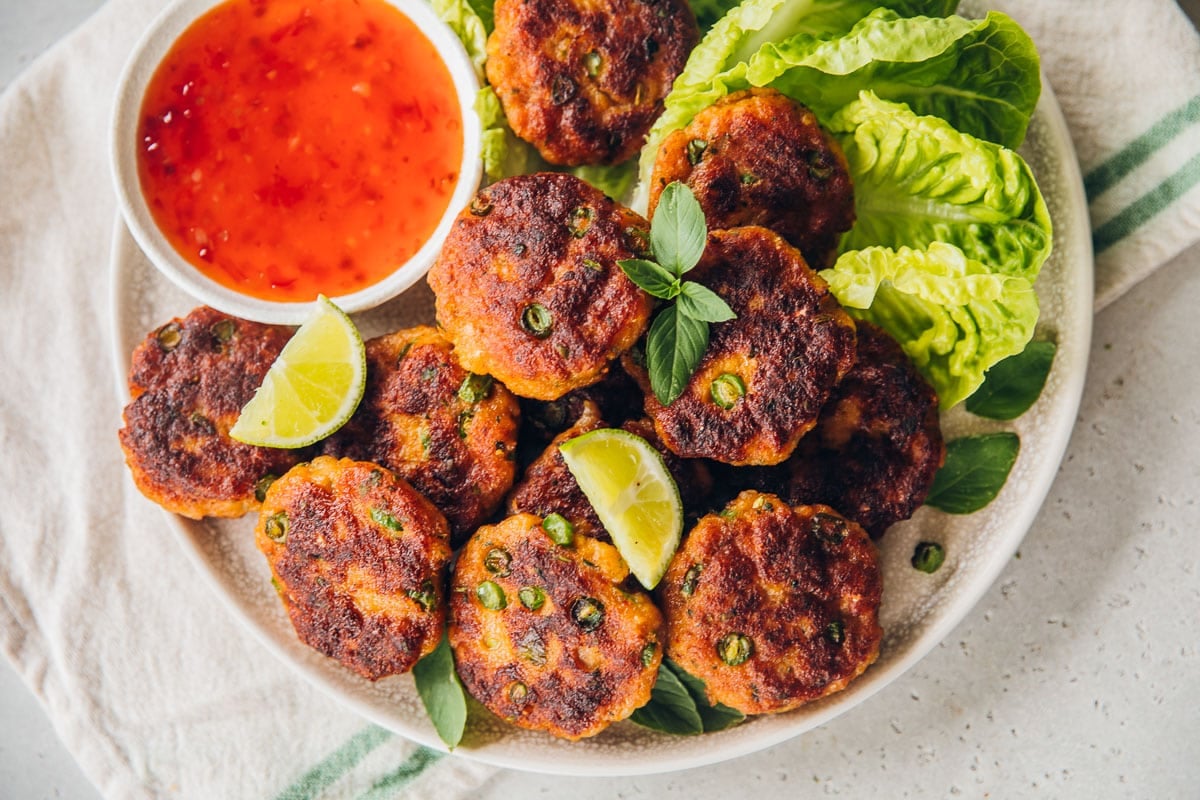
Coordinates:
(1075, 676)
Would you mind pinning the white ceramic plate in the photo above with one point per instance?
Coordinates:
(918, 609)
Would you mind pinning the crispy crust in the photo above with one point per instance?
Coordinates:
(189, 380)
(547, 243)
(361, 566)
(540, 669)
(800, 585)
(757, 157)
(789, 346)
(583, 81)
(451, 435)
(878, 442)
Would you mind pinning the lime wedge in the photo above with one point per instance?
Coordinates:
(312, 388)
(634, 495)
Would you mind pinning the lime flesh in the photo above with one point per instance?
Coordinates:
(312, 388)
(634, 495)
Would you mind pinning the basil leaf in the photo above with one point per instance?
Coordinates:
(674, 347)
(700, 302)
(678, 232)
(975, 470)
(671, 708)
(714, 718)
(1011, 386)
(650, 277)
(442, 693)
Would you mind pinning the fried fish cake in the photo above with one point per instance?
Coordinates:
(765, 375)
(877, 444)
(547, 636)
(528, 288)
(773, 606)
(582, 81)
(359, 560)
(548, 487)
(189, 380)
(757, 157)
(451, 433)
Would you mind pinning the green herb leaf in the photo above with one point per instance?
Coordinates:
(651, 277)
(442, 693)
(700, 302)
(1011, 386)
(975, 470)
(671, 708)
(714, 718)
(678, 232)
(674, 347)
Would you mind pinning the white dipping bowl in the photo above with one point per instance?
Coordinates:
(150, 51)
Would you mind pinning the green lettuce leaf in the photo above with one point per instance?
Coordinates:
(919, 181)
(953, 316)
(615, 181)
(718, 64)
(503, 153)
(466, 23)
(982, 76)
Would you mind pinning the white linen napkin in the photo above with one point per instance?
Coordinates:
(150, 684)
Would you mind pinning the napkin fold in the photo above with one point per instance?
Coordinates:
(152, 686)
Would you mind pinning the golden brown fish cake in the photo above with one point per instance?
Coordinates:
(451, 433)
(528, 288)
(189, 380)
(757, 157)
(548, 487)
(615, 398)
(359, 558)
(765, 375)
(548, 637)
(772, 606)
(878, 442)
(582, 81)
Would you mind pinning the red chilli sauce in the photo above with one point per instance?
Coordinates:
(296, 147)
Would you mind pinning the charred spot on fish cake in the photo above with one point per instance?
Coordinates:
(766, 374)
(773, 606)
(189, 380)
(583, 81)
(757, 157)
(449, 432)
(528, 287)
(358, 558)
(877, 444)
(551, 637)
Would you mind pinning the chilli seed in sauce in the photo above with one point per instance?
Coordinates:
(296, 147)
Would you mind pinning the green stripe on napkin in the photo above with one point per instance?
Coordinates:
(1146, 207)
(1134, 154)
(337, 764)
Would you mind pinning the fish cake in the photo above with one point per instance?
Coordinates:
(189, 380)
(548, 487)
(528, 287)
(757, 157)
(765, 375)
(878, 442)
(359, 560)
(583, 81)
(773, 606)
(451, 433)
(551, 637)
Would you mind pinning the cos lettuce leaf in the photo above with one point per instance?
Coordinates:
(461, 18)
(953, 316)
(982, 76)
(917, 181)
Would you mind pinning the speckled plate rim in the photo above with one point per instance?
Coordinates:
(919, 611)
